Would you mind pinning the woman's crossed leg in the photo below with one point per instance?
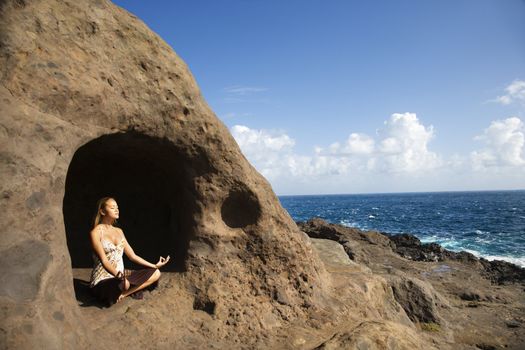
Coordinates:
(127, 290)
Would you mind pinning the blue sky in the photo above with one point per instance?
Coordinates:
(433, 92)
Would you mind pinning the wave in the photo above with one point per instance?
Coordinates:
(351, 224)
(520, 261)
(455, 245)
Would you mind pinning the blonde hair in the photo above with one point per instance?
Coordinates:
(100, 205)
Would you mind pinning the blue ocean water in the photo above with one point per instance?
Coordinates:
(490, 224)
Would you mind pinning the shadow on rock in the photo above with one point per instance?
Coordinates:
(84, 296)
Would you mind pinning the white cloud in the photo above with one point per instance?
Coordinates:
(271, 152)
(403, 150)
(405, 147)
(515, 92)
(252, 140)
(398, 158)
(243, 90)
(357, 144)
(266, 149)
(504, 145)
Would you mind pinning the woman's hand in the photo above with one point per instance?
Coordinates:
(120, 275)
(162, 262)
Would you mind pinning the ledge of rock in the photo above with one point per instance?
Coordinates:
(456, 299)
(94, 104)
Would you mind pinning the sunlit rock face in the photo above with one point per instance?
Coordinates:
(95, 104)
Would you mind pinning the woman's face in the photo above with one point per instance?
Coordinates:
(111, 209)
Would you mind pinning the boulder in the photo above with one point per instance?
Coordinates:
(418, 298)
(346, 236)
(502, 272)
(94, 104)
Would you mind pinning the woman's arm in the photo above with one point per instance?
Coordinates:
(134, 257)
(99, 250)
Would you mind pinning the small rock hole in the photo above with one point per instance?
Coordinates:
(205, 305)
(240, 209)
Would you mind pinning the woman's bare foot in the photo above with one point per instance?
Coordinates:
(121, 296)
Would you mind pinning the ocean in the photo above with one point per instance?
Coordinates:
(490, 224)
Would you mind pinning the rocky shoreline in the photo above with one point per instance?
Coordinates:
(475, 302)
(410, 247)
(86, 83)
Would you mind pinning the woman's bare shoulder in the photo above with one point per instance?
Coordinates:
(95, 231)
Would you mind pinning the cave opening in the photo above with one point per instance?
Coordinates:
(151, 180)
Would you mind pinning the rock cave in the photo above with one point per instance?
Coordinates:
(147, 177)
(95, 104)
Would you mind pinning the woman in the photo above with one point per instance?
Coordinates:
(109, 280)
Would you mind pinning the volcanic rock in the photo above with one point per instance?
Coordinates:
(374, 335)
(95, 104)
(418, 299)
(346, 236)
(502, 272)
(453, 299)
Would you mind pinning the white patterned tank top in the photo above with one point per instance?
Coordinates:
(113, 254)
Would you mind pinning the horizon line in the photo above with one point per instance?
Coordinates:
(406, 192)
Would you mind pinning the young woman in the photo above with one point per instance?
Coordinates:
(110, 282)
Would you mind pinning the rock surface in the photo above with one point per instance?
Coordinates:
(498, 271)
(95, 104)
(456, 299)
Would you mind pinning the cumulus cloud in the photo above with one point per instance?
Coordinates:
(396, 158)
(266, 149)
(504, 145)
(271, 152)
(357, 144)
(261, 140)
(403, 148)
(515, 92)
(405, 145)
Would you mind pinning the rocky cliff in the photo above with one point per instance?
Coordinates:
(459, 301)
(95, 104)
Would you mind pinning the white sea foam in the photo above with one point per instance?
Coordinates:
(452, 245)
(429, 239)
(442, 240)
(371, 217)
(349, 223)
(516, 261)
(483, 241)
